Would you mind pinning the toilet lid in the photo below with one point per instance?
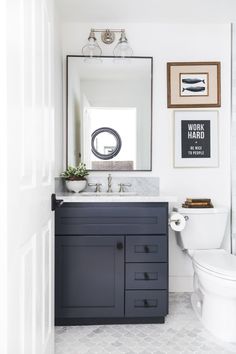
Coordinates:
(217, 261)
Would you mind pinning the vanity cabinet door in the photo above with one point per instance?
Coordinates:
(89, 276)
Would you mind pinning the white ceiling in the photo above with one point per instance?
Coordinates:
(171, 11)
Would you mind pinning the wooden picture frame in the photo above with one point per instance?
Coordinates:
(196, 142)
(193, 84)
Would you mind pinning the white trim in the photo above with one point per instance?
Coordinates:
(3, 179)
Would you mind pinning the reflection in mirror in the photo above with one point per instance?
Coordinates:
(115, 95)
(105, 143)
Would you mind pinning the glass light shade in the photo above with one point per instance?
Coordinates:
(92, 48)
(123, 49)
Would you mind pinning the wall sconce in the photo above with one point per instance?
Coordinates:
(122, 49)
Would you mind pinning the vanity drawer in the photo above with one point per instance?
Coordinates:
(148, 303)
(111, 218)
(146, 275)
(146, 249)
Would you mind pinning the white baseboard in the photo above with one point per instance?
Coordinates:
(180, 284)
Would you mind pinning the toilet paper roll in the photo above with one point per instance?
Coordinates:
(177, 222)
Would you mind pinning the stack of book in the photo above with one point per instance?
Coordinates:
(197, 203)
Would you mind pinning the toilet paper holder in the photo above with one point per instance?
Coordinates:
(177, 221)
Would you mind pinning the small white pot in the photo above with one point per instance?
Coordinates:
(76, 186)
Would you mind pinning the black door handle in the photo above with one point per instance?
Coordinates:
(119, 245)
(55, 203)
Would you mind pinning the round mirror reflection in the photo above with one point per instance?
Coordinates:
(105, 143)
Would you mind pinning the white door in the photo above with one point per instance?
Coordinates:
(27, 142)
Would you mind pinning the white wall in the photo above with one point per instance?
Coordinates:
(234, 140)
(173, 42)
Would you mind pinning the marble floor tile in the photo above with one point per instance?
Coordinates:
(182, 333)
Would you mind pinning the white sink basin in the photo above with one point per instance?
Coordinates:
(105, 194)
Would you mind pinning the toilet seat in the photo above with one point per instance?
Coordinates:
(217, 262)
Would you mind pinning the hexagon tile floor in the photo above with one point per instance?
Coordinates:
(181, 333)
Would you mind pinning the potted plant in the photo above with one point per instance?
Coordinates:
(75, 177)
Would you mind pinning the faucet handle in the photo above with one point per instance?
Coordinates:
(109, 179)
(97, 185)
(123, 185)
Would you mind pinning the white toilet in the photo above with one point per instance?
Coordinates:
(214, 297)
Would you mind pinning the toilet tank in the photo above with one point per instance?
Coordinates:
(205, 228)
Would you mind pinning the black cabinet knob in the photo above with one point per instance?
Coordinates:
(146, 248)
(146, 276)
(145, 303)
(119, 245)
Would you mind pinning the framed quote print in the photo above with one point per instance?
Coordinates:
(193, 84)
(196, 139)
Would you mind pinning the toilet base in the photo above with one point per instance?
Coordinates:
(217, 314)
(219, 317)
(197, 305)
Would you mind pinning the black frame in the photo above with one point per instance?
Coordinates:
(110, 56)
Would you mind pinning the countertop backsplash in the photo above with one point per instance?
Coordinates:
(139, 185)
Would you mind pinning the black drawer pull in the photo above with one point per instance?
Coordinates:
(146, 276)
(146, 248)
(146, 303)
(119, 245)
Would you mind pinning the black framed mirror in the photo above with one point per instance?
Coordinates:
(105, 143)
(112, 93)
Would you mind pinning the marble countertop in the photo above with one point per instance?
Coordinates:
(114, 198)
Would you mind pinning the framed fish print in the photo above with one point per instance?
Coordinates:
(196, 138)
(193, 84)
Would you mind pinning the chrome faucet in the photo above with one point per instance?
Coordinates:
(97, 186)
(109, 178)
(122, 187)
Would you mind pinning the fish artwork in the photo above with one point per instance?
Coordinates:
(194, 88)
(193, 81)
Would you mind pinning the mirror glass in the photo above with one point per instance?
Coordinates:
(109, 112)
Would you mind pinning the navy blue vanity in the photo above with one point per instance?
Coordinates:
(111, 263)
